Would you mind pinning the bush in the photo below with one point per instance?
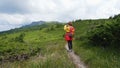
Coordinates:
(100, 36)
(20, 38)
(106, 34)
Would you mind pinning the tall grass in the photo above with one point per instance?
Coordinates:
(45, 48)
(97, 57)
(55, 57)
(94, 56)
(52, 55)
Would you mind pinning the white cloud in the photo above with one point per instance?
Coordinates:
(13, 19)
(8, 27)
(4, 27)
(93, 2)
(107, 9)
(58, 10)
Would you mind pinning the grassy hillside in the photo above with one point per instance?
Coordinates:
(43, 46)
(97, 56)
(34, 47)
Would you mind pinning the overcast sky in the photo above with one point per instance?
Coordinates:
(14, 13)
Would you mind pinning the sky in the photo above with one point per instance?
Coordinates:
(15, 13)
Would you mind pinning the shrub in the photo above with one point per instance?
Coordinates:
(106, 34)
(20, 38)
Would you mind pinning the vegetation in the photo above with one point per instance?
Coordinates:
(34, 47)
(96, 42)
(42, 46)
(106, 34)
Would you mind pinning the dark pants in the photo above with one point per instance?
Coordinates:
(70, 44)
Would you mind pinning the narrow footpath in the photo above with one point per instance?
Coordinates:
(75, 59)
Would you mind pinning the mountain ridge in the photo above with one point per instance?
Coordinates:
(34, 23)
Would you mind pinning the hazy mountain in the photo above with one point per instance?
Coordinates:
(34, 23)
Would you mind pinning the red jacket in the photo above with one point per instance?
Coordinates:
(68, 35)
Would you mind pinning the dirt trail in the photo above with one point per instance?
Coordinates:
(76, 59)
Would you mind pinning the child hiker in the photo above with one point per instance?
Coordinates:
(69, 34)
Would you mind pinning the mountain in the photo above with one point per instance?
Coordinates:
(37, 23)
(34, 24)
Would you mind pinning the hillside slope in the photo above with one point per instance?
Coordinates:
(43, 46)
(97, 56)
(34, 47)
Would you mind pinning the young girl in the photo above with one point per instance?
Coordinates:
(69, 34)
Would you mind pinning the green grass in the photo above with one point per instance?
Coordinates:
(55, 57)
(94, 56)
(97, 57)
(52, 55)
(44, 47)
(32, 39)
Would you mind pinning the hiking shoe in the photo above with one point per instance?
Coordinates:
(70, 50)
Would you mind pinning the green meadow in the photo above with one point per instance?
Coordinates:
(43, 46)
